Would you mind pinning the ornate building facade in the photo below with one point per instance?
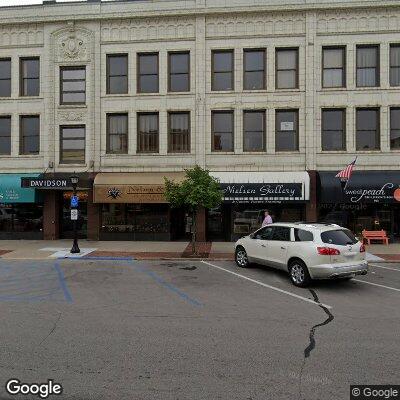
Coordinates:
(267, 94)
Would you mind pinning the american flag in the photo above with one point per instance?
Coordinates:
(345, 174)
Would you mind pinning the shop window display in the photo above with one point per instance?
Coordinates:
(21, 218)
(135, 219)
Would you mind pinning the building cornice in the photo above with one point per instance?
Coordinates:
(172, 8)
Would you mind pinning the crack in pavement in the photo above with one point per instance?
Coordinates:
(311, 345)
(52, 330)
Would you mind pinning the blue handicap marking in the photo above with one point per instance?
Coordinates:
(74, 201)
(31, 281)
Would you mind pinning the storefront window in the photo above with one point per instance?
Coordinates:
(247, 218)
(21, 217)
(67, 225)
(135, 218)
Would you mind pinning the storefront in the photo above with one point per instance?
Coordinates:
(370, 201)
(248, 194)
(21, 211)
(133, 207)
(56, 190)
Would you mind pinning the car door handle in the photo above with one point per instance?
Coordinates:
(263, 245)
(283, 248)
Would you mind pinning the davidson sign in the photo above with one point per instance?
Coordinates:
(40, 183)
(267, 191)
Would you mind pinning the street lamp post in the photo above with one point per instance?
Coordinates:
(75, 247)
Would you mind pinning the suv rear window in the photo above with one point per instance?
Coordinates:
(340, 237)
(301, 235)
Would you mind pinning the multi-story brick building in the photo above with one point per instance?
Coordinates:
(273, 97)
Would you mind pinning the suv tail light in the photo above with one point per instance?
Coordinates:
(362, 249)
(328, 251)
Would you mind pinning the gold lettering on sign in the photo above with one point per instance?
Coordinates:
(145, 189)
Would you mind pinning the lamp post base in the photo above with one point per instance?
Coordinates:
(75, 248)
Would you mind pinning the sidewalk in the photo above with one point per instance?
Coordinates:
(43, 249)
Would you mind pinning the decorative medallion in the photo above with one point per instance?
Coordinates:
(73, 47)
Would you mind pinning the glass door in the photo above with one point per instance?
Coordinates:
(66, 225)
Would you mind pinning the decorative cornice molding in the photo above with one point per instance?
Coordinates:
(21, 35)
(147, 29)
(255, 24)
(336, 22)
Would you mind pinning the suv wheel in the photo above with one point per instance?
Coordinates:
(299, 274)
(241, 258)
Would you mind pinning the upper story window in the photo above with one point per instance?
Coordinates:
(368, 66)
(29, 76)
(395, 128)
(179, 71)
(222, 130)
(5, 135)
(179, 132)
(287, 68)
(395, 65)
(254, 69)
(73, 85)
(117, 133)
(333, 130)
(368, 130)
(333, 67)
(117, 73)
(72, 144)
(148, 132)
(5, 77)
(287, 130)
(147, 79)
(222, 70)
(29, 126)
(254, 130)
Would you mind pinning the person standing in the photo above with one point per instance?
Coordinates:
(267, 219)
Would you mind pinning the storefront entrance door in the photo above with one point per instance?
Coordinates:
(66, 225)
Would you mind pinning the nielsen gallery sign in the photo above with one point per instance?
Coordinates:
(267, 191)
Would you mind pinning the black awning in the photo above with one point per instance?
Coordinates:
(363, 187)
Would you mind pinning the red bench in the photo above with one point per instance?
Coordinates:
(375, 235)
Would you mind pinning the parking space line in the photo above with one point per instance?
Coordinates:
(268, 286)
(377, 284)
(62, 282)
(379, 266)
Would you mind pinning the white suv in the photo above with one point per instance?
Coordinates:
(306, 251)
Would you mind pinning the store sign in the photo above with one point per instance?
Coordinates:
(389, 192)
(40, 183)
(129, 194)
(259, 191)
(364, 187)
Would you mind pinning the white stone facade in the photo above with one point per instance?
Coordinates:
(84, 33)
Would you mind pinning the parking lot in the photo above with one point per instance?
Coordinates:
(127, 329)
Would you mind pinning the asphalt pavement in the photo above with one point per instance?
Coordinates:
(126, 329)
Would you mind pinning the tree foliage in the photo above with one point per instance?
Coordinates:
(199, 189)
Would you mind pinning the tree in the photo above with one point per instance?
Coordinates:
(199, 189)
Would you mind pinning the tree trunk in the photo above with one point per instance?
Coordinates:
(194, 227)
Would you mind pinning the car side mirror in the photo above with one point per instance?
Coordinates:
(251, 236)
